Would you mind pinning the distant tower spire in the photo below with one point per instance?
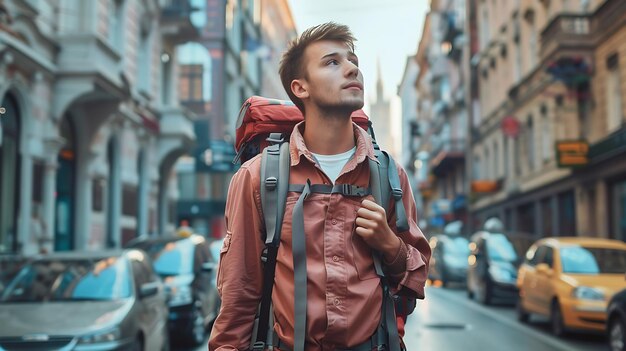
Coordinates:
(379, 82)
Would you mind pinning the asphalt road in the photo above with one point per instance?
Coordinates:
(448, 320)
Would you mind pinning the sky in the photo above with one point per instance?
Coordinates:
(386, 30)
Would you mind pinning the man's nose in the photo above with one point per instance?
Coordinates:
(352, 70)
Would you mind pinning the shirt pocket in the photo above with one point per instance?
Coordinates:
(223, 251)
(361, 252)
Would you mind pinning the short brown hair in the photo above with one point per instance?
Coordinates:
(292, 62)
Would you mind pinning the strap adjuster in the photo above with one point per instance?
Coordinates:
(397, 193)
(271, 183)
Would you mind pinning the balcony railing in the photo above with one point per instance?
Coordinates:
(446, 153)
(176, 22)
(567, 34)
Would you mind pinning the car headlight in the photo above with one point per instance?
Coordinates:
(180, 295)
(587, 293)
(500, 274)
(103, 336)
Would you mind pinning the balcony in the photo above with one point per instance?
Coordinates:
(447, 154)
(176, 25)
(567, 35)
(89, 69)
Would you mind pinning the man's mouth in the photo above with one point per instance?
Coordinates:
(353, 86)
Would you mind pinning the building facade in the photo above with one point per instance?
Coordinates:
(90, 126)
(277, 30)
(235, 57)
(548, 153)
(442, 114)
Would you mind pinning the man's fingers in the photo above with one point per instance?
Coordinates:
(364, 223)
(363, 232)
(371, 205)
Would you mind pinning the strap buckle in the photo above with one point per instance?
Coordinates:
(272, 139)
(271, 183)
(352, 190)
(258, 346)
(264, 255)
(397, 193)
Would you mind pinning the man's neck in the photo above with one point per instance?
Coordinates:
(328, 134)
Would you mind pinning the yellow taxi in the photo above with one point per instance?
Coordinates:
(570, 280)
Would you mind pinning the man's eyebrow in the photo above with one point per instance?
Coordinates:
(335, 54)
(332, 54)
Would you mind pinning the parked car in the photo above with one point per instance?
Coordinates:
(188, 270)
(616, 322)
(216, 247)
(448, 261)
(109, 300)
(492, 266)
(10, 265)
(570, 280)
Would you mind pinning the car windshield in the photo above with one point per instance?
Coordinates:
(9, 267)
(457, 246)
(586, 260)
(500, 248)
(70, 280)
(171, 257)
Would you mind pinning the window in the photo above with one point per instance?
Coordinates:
(548, 258)
(532, 43)
(191, 83)
(506, 157)
(517, 154)
(195, 73)
(144, 61)
(613, 94)
(534, 258)
(487, 173)
(116, 22)
(476, 171)
(496, 161)
(530, 144)
(546, 137)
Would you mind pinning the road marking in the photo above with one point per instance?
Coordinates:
(514, 324)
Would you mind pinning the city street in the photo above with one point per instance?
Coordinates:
(449, 321)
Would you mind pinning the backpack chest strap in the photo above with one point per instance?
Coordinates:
(344, 189)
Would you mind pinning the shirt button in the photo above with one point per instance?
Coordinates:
(337, 302)
(335, 258)
(334, 221)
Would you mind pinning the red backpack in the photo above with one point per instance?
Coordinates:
(259, 117)
(264, 126)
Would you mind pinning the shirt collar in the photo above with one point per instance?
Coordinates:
(364, 146)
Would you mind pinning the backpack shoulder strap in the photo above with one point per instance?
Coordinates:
(275, 163)
(390, 187)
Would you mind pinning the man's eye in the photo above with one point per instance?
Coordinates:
(332, 62)
(355, 62)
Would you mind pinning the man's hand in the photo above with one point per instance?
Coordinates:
(372, 227)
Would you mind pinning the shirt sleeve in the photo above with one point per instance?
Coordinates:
(239, 277)
(413, 279)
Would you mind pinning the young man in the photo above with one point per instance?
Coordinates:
(321, 75)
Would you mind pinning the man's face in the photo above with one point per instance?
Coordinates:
(333, 80)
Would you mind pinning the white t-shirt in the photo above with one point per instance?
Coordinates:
(333, 164)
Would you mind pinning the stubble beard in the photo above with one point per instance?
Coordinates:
(342, 109)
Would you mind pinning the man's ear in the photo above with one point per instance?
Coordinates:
(300, 88)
